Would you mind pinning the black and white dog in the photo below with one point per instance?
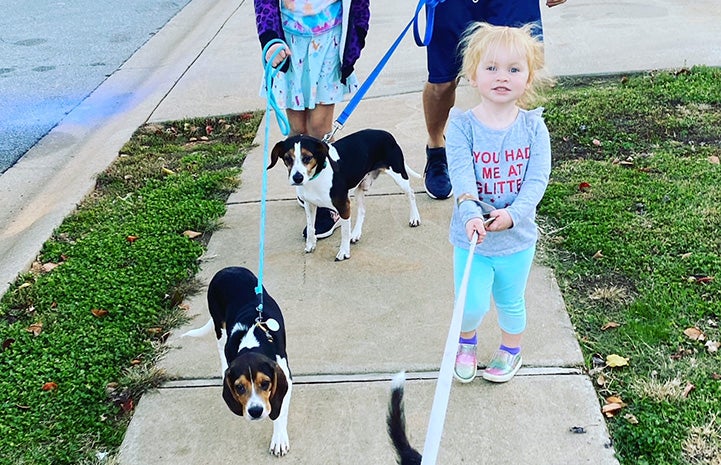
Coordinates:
(254, 365)
(396, 423)
(326, 174)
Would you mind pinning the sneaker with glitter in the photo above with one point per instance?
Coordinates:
(502, 367)
(466, 363)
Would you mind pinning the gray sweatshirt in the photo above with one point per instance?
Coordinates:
(507, 168)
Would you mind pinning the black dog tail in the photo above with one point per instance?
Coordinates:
(396, 422)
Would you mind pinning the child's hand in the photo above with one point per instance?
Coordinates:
(502, 220)
(475, 225)
(282, 55)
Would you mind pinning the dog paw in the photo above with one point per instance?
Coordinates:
(414, 222)
(310, 246)
(354, 238)
(279, 444)
(342, 256)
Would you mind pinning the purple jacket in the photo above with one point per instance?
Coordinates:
(355, 27)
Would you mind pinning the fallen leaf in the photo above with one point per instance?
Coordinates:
(167, 171)
(7, 343)
(48, 267)
(598, 255)
(610, 325)
(601, 380)
(700, 279)
(50, 386)
(714, 160)
(131, 239)
(99, 312)
(24, 285)
(596, 142)
(611, 409)
(712, 347)
(686, 255)
(192, 234)
(614, 361)
(128, 405)
(35, 329)
(615, 400)
(687, 390)
(716, 376)
(694, 334)
(584, 187)
(631, 418)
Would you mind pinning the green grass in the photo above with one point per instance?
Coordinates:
(123, 267)
(630, 225)
(631, 221)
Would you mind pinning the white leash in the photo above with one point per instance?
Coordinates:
(445, 377)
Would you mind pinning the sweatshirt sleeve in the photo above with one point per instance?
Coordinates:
(459, 148)
(538, 170)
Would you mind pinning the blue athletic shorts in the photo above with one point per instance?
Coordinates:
(452, 17)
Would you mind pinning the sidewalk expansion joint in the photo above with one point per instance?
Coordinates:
(368, 377)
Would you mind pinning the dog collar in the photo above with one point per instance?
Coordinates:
(325, 163)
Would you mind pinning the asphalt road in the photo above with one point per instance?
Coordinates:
(54, 53)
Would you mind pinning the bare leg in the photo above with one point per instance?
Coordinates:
(511, 340)
(438, 99)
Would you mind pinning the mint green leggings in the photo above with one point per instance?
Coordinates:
(505, 278)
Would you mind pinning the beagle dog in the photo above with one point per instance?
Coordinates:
(257, 381)
(396, 423)
(326, 175)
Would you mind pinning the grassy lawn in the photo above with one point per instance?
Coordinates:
(630, 224)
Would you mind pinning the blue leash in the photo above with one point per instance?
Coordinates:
(282, 119)
(430, 6)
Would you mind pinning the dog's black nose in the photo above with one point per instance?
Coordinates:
(297, 178)
(255, 412)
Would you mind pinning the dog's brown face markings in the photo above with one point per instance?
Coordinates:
(250, 384)
(254, 386)
(300, 151)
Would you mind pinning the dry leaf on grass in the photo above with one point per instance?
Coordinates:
(610, 325)
(35, 329)
(615, 360)
(694, 334)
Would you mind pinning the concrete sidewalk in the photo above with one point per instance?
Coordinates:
(350, 325)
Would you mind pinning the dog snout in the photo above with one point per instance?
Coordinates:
(255, 412)
(297, 178)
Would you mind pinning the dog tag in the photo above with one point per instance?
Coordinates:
(272, 324)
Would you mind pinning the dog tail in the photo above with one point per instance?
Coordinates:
(199, 332)
(410, 171)
(396, 422)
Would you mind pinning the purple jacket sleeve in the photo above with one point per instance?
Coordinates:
(267, 21)
(356, 37)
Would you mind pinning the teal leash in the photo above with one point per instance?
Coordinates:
(284, 125)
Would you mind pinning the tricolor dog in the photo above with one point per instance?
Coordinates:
(326, 175)
(254, 365)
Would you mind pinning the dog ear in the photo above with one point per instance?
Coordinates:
(234, 406)
(280, 389)
(276, 153)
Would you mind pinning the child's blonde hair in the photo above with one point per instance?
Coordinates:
(480, 39)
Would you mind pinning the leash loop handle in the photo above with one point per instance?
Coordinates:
(430, 6)
(284, 125)
(445, 377)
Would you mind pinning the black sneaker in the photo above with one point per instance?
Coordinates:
(435, 175)
(326, 221)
